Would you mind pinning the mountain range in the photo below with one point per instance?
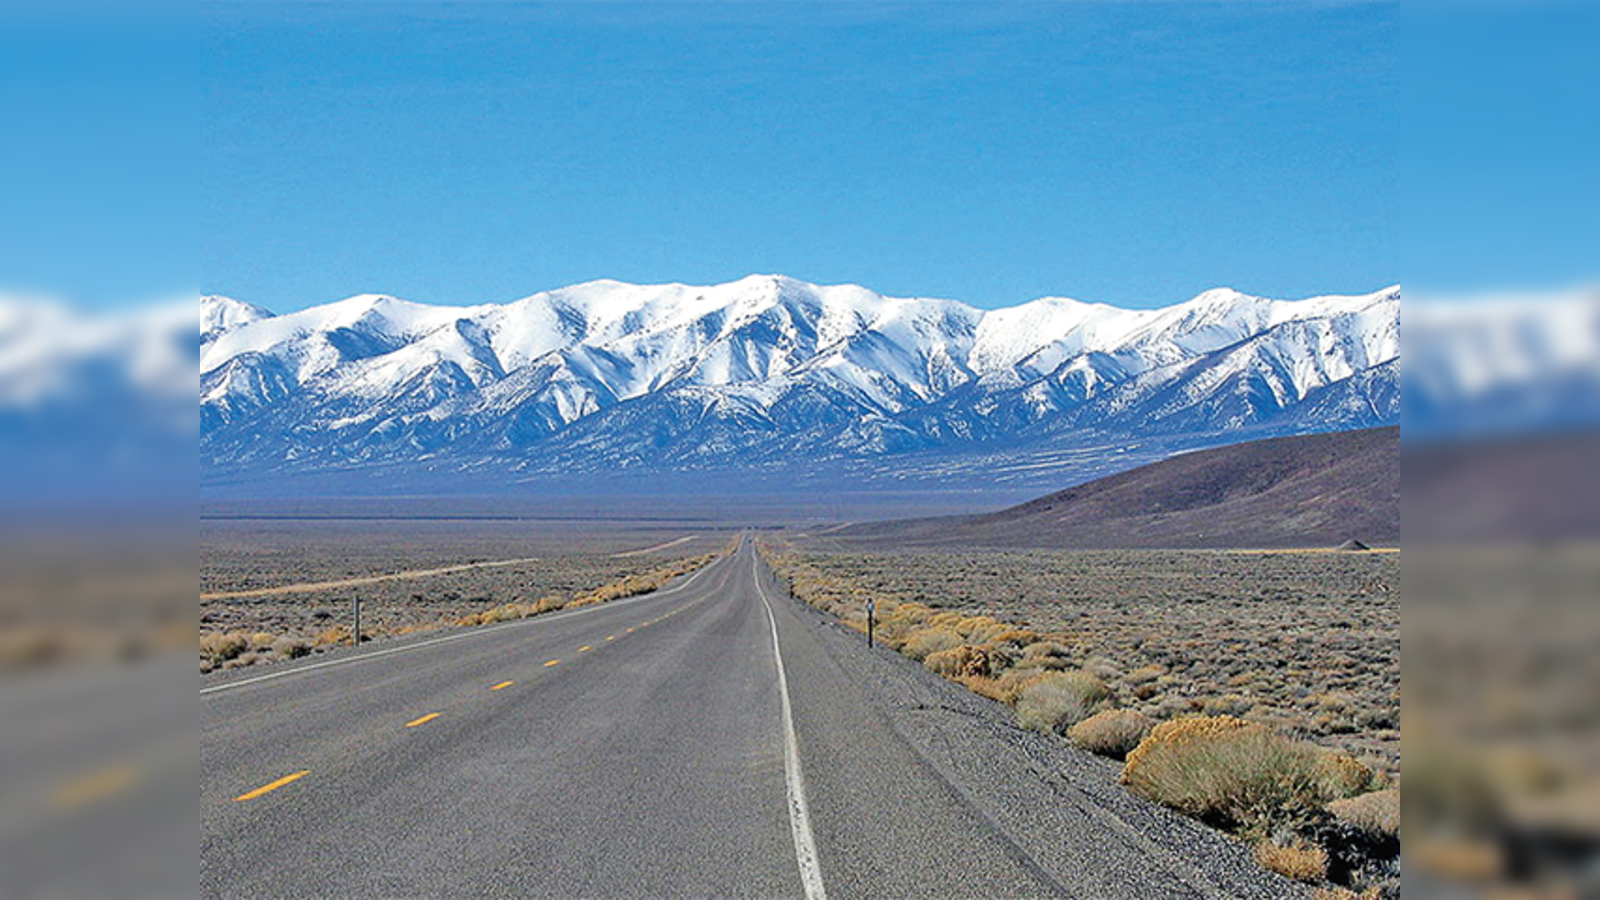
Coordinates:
(770, 375)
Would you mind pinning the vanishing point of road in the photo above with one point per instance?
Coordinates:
(712, 739)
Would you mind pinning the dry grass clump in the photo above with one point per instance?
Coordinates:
(924, 642)
(1004, 688)
(1302, 862)
(965, 661)
(231, 650)
(332, 636)
(1376, 812)
(218, 647)
(1111, 732)
(1045, 655)
(288, 647)
(1236, 774)
(1056, 701)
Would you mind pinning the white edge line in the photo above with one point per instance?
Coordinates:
(805, 844)
(471, 632)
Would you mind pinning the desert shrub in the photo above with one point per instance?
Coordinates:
(1345, 776)
(1227, 705)
(925, 641)
(1144, 675)
(1302, 862)
(982, 629)
(1231, 773)
(248, 658)
(1377, 812)
(1111, 732)
(1045, 655)
(1017, 637)
(337, 634)
(290, 647)
(262, 640)
(219, 647)
(965, 660)
(1003, 688)
(1102, 668)
(1058, 700)
(908, 612)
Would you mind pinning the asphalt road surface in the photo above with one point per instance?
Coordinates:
(714, 739)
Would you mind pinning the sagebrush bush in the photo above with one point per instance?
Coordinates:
(1111, 732)
(1345, 776)
(290, 647)
(1302, 862)
(977, 626)
(1005, 688)
(1231, 773)
(1376, 812)
(1056, 701)
(957, 662)
(925, 641)
(219, 647)
(1017, 637)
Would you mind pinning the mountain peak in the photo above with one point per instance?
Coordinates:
(219, 313)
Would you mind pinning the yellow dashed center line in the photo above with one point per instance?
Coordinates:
(611, 637)
(269, 788)
(422, 721)
(553, 662)
(502, 685)
(584, 649)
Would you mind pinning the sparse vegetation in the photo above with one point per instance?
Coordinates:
(1256, 691)
(559, 574)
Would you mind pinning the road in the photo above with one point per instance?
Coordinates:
(714, 739)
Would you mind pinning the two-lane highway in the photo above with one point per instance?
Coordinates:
(712, 739)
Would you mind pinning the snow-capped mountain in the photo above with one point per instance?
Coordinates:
(769, 372)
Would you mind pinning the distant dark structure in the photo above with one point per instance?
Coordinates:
(1305, 491)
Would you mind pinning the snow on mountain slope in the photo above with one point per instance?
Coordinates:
(606, 374)
(219, 314)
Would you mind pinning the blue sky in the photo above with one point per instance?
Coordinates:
(1130, 153)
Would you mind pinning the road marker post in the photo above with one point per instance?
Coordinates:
(872, 608)
(355, 631)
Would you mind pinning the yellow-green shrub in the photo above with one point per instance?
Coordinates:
(1231, 773)
(1056, 701)
(1111, 732)
(1377, 812)
(925, 641)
